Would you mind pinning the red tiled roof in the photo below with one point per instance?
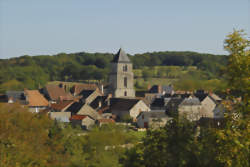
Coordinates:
(56, 93)
(35, 98)
(77, 117)
(61, 105)
(77, 89)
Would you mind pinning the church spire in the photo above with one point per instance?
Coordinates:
(121, 57)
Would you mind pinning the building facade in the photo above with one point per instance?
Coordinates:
(121, 78)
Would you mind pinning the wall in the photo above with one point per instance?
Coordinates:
(116, 80)
(139, 107)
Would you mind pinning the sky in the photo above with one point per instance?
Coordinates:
(46, 27)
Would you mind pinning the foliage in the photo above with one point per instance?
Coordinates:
(25, 140)
(181, 143)
(28, 139)
(34, 72)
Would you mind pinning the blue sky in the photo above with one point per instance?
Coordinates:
(35, 27)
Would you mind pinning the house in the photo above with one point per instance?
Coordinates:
(54, 94)
(58, 111)
(61, 106)
(60, 116)
(77, 89)
(122, 107)
(173, 106)
(81, 108)
(84, 121)
(162, 89)
(190, 108)
(211, 105)
(152, 119)
(90, 95)
(100, 101)
(35, 100)
(150, 97)
(15, 96)
(160, 103)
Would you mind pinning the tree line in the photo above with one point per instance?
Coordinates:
(35, 71)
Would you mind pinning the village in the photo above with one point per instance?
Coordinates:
(90, 104)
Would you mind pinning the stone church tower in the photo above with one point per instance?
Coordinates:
(121, 78)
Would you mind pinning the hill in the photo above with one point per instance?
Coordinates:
(35, 71)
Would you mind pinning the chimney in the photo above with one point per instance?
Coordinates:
(159, 89)
(108, 99)
(102, 89)
(99, 104)
(149, 86)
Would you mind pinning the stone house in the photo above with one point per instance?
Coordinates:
(81, 108)
(84, 121)
(60, 116)
(152, 119)
(35, 101)
(58, 111)
(190, 108)
(54, 94)
(121, 107)
(211, 105)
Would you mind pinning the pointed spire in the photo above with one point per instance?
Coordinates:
(121, 57)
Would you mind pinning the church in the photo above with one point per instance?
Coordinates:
(121, 77)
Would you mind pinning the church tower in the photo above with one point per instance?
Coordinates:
(121, 78)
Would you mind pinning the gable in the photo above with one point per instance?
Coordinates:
(89, 111)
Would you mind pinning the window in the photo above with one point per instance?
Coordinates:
(125, 93)
(125, 82)
(125, 68)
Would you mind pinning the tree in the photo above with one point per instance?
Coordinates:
(234, 141)
(238, 68)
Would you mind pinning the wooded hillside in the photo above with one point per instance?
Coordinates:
(34, 71)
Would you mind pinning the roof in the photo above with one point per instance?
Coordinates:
(55, 93)
(121, 57)
(155, 89)
(215, 97)
(86, 93)
(173, 104)
(168, 89)
(190, 101)
(77, 117)
(106, 120)
(160, 102)
(75, 107)
(35, 98)
(98, 100)
(122, 104)
(78, 88)
(154, 114)
(61, 105)
(15, 95)
(201, 96)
